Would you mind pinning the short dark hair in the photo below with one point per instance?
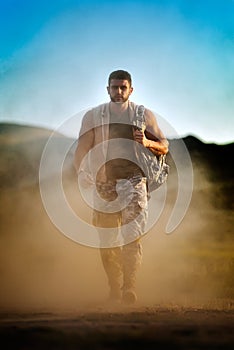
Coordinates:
(121, 75)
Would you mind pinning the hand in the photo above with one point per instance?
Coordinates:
(85, 180)
(139, 136)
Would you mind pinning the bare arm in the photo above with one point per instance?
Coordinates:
(85, 141)
(153, 138)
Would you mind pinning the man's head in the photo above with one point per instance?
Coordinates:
(119, 86)
(120, 75)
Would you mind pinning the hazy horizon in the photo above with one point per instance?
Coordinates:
(73, 134)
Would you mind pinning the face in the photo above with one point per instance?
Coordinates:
(119, 90)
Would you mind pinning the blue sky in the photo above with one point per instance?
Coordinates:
(55, 58)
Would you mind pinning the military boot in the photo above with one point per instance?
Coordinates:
(132, 258)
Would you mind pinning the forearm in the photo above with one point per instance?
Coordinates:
(78, 157)
(155, 140)
(157, 147)
(82, 170)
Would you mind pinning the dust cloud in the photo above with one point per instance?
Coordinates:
(42, 270)
(193, 265)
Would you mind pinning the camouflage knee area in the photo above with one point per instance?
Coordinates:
(106, 220)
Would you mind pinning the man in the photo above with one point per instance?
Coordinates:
(108, 137)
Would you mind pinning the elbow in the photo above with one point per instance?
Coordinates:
(165, 148)
(164, 151)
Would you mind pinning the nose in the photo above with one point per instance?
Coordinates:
(119, 91)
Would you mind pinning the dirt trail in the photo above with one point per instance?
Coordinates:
(147, 328)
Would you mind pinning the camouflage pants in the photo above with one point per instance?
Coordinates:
(120, 218)
(121, 210)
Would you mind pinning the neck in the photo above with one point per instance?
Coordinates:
(118, 107)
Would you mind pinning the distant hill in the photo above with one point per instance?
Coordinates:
(217, 157)
(21, 148)
(217, 163)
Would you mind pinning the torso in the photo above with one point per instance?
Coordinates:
(121, 155)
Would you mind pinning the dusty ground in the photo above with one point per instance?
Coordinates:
(121, 328)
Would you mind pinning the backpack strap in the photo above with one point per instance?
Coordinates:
(139, 120)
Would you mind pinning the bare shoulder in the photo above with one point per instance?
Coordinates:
(87, 123)
(94, 116)
(153, 128)
(150, 117)
(88, 116)
(90, 119)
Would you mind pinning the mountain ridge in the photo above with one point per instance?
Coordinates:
(7, 127)
(21, 148)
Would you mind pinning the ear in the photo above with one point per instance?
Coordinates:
(108, 90)
(131, 90)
